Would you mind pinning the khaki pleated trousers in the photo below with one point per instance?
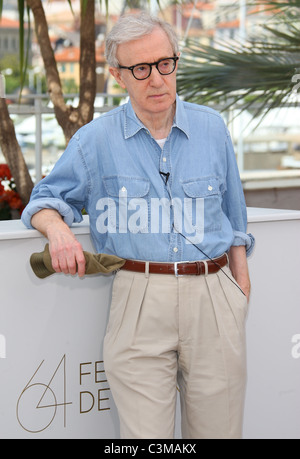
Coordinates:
(166, 333)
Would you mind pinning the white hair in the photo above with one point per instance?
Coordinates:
(132, 27)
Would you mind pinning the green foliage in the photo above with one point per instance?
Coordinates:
(24, 14)
(260, 72)
(11, 62)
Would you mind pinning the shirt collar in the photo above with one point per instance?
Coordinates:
(181, 120)
(133, 125)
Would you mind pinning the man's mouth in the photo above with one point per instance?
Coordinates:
(157, 96)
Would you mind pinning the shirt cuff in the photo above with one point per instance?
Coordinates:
(247, 240)
(56, 204)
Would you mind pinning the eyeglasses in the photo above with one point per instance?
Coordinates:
(143, 71)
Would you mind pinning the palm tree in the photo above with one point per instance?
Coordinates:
(69, 118)
(263, 72)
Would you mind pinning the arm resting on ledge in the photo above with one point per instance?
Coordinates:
(66, 252)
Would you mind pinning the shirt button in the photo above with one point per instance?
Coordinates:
(175, 249)
(210, 188)
(164, 160)
(123, 189)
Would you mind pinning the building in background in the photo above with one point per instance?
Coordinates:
(9, 38)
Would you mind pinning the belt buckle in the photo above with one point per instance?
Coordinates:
(176, 263)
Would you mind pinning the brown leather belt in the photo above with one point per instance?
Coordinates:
(178, 269)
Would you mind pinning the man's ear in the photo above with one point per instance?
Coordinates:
(116, 73)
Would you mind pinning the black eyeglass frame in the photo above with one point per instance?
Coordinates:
(174, 59)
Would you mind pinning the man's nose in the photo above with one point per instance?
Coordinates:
(156, 78)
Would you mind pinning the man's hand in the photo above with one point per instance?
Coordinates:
(66, 252)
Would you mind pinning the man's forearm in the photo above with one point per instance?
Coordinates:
(239, 268)
(46, 219)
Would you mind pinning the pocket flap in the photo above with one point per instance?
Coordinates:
(202, 188)
(132, 187)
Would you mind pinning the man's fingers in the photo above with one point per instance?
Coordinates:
(80, 260)
(68, 258)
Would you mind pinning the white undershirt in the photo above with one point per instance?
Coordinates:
(161, 142)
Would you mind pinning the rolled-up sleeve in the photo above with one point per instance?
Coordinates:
(247, 240)
(65, 189)
(234, 205)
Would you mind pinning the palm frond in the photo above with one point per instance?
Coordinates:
(70, 4)
(277, 5)
(260, 72)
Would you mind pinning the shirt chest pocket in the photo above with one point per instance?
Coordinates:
(203, 203)
(129, 199)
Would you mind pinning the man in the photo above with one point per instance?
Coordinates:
(159, 180)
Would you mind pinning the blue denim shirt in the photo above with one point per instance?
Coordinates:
(148, 203)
